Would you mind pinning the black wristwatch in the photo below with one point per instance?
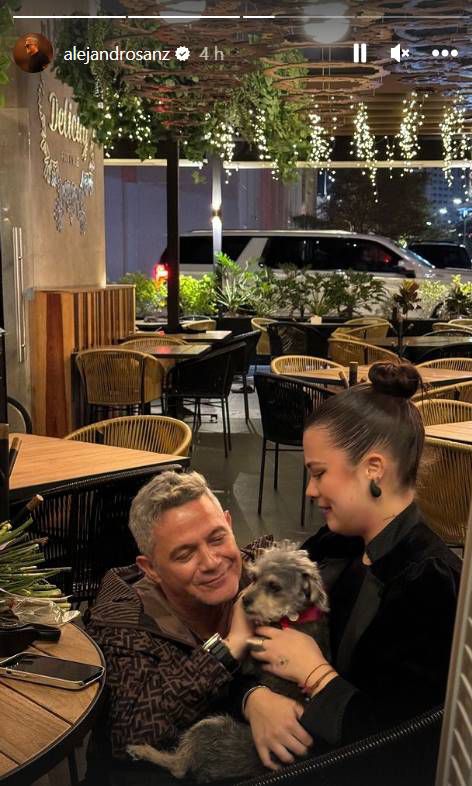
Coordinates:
(217, 647)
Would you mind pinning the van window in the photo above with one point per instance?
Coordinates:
(196, 250)
(443, 256)
(330, 253)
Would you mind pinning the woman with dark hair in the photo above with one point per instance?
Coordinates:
(392, 583)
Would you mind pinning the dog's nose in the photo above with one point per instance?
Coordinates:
(247, 602)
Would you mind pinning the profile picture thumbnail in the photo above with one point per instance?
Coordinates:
(33, 52)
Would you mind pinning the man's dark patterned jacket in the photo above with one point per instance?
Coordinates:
(159, 678)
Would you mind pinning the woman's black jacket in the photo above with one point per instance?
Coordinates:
(392, 654)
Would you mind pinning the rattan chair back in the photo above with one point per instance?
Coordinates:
(345, 350)
(456, 350)
(119, 377)
(199, 325)
(367, 321)
(438, 327)
(364, 333)
(156, 433)
(293, 364)
(462, 391)
(146, 343)
(287, 339)
(260, 323)
(444, 410)
(461, 322)
(456, 364)
(444, 488)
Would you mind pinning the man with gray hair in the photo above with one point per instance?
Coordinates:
(169, 628)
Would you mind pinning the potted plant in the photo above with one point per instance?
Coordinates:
(407, 298)
(233, 294)
(458, 302)
(354, 291)
(432, 296)
(198, 296)
(150, 298)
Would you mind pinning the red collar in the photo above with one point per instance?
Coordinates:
(311, 614)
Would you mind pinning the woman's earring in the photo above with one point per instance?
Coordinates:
(375, 490)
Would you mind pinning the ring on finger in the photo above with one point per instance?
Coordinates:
(257, 645)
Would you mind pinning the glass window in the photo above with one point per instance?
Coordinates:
(196, 250)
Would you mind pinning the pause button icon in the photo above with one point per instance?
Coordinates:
(360, 53)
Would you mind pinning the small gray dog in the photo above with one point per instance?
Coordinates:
(286, 591)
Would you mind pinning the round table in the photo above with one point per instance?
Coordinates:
(41, 725)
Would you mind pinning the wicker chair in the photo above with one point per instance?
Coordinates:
(293, 364)
(367, 321)
(461, 322)
(199, 325)
(345, 350)
(439, 327)
(147, 344)
(260, 323)
(462, 391)
(287, 338)
(444, 410)
(365, 333)
(285, 404)
(156, 433)
(444, 488)
(449, 351)
(119, 380)
(456, 364)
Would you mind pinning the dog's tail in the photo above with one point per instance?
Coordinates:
(178, 761)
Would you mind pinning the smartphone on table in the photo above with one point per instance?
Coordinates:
(47, 670)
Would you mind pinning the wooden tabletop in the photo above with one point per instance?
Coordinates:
(430, 376)
(208, 336)
(178, 351)
(45, 462)
(457, 432)
(40, 724)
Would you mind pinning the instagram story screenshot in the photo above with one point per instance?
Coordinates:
(236, 392)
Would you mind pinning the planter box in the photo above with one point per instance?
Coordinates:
(238, 325)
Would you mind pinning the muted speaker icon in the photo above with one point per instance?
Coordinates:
(397, 52)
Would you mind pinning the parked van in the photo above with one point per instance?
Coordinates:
(322, 251)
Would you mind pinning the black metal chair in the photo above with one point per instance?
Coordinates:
(287, 339)
(285, 404)
(19, 418)
(242, 361)
(405, 754)
(86, 525)
(459, 350)
(209, 379)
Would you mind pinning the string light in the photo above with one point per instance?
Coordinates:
(412, 120)
(454, 139)
(363, 144)
(389, 155)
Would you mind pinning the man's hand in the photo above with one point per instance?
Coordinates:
(241, 629)
(275, 727)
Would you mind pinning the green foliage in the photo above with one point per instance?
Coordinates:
(264, 295)
(408, 296)
(431, 294)
(353, 292)
(198, 296)
(7, 41)
(459, 299)
(149, 296)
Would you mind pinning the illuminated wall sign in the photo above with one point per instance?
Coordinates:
(70, 197)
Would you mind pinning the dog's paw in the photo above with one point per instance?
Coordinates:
(138, 751)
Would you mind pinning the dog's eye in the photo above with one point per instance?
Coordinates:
(273, 587)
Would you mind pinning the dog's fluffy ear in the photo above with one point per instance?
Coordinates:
(314, 590)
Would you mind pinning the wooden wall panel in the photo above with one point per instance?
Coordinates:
(63, 322)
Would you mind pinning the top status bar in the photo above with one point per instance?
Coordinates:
(209, 17)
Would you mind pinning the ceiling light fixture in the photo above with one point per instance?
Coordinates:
(332, 27)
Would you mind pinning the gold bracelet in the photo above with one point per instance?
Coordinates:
(325, 663)
(311, 688)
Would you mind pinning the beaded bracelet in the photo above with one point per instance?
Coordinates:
(311, 688)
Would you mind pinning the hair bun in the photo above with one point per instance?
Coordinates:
(395, 379)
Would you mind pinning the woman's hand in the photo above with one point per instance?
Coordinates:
(287, 653)
(240, 631)
(275, 727)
